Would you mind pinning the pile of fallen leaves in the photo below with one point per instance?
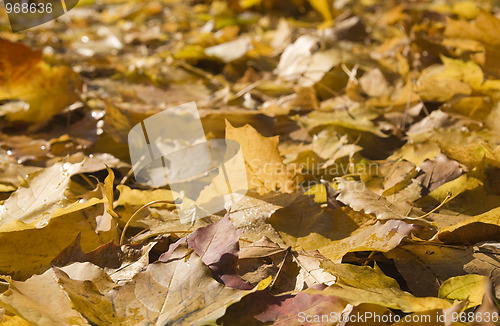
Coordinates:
(371, 136)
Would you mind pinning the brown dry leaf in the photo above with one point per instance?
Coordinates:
(482, 227)
(290, 269)
(11, 172)
(425, 266)
(232, 50)
(305, 224)
(24, 76)
(397, 175)
(486, 28)
(260, 260)
(376, 237)
(29, 251)
(265, 169)
(156, 219)
(41, 301)
(346, 86)
(438, 171)
(40, 220)
(357, 119)
(417, 152)
(311, 273)
(329, 144)
(217, 245)
(483, 32)
(335, 232)
(355, 194)
(364, 284)
(487, 307)
(262, 308)
(455, 77)
(422, 129)
(374, 84)
(179, 291)
(485, 262)
(132, 199)
(121, 263)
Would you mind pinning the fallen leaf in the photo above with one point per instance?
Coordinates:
(438, 171)
(487, 307)
(25, 76)
(121, 263)
(374, 83)
(265, 169)
(217, 245)
(30, 300)
(364, 284)
(33, 206)
(376, 237)
(359, 198)
(232, 50)
(442, 82)
(471, 288)
(29, 251)
(261, 307)
(426, 266)
(165, 293)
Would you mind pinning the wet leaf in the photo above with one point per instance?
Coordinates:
(32, 206)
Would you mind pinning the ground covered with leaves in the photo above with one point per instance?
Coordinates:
(371, 137)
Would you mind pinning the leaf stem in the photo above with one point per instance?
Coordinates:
(438, 207)
(137, 212)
